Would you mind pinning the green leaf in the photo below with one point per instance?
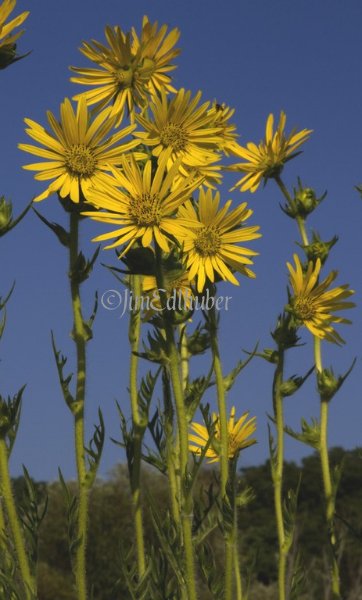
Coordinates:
(294, 383)
(211, 573)
(62, 235)
(272, 450)
(169, 540)
(83, 267)
(94, 450)
(157, 350)
(9, 223)
(32, 511)
(309, 435)
(60, 361)
(194, 393)
(199, 341)
(290, 514)
(10, 411)
(6, 299)
(72, 508)
(230, 379)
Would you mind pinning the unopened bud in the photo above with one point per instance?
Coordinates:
(328, 384)
(6, 211)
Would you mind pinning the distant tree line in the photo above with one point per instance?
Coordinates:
(111, 531)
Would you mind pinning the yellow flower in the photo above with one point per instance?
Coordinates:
(130, 69)
(7, 38)
(183, 127)
(209, 171)
(209, 241)
(156, 53)
(268, 158)
(76, 150)
(221, 114)
(178, 289)
(313, 304)
(141, 204)
(238, 436)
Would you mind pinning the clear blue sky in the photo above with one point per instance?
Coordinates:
(259, 57)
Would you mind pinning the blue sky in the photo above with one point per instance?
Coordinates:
(259, 57)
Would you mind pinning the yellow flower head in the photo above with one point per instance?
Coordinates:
(130, 69)
(178, 289)
(221, 114)
(156, 51)
(7, 37)
(183, 127)
(268, 158)
(140, 204)
(209, 171)
(313, 304)
(238, 436)
(210, 240)
(76, 150)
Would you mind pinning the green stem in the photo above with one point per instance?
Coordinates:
(19, 543)
(134, 338)
(326, 475)
(223, 453)
(300, 220)
(80, 339)
(171, 452)
(184, 357)
(186, 497)
(221, 403)
(232, 544)
(277, 472)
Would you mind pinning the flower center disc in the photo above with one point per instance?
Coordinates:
(145, 210)
(304, 308)
(175, 136)
(123, 77)
(207, 241)
(80, 160)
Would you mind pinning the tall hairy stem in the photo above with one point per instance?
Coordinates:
(279, 418)
(134, 338)
(171, 451)
(186, 501)
(234, 533)
(277, 472)
(223, 453)
(80, 337)
(14, 522)
(326, 475)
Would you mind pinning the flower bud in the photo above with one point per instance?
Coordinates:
(6, 211)
(319, 249)
(285, 332)
(328, 384)
(7, 55)
(306, 200)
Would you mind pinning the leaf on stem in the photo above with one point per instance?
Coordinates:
(230, 379)
(60, 361)
(94, 450)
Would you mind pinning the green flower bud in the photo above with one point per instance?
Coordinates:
(6, 212)
(289, 387)
(306, 200)
(327, 384)
(285, 333)
(7, 55)
(269, 355)
(319, 249)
